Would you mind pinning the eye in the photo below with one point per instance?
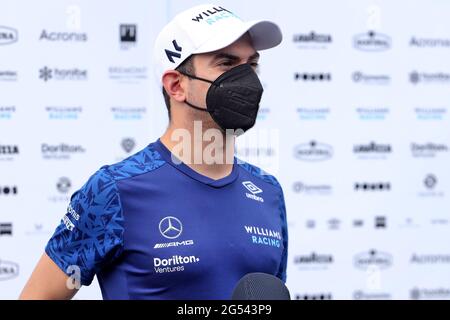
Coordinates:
(226, 63)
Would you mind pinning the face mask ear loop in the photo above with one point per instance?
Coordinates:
(196, 78)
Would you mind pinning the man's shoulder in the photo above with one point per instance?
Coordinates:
(259, 173)
(143, 161)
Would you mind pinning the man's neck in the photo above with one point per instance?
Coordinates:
(212, 158)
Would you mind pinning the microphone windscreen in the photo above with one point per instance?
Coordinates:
(260, 286)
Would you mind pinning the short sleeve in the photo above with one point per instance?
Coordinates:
(90, 234)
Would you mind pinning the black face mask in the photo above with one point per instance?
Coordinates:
(233, 98)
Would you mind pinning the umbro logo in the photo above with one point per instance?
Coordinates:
(250, 186)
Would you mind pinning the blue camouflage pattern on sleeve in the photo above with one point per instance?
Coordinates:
(91, 233)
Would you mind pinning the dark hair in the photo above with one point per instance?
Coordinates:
(186, 67)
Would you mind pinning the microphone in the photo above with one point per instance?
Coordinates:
(260, 286)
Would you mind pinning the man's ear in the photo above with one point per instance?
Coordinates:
(171, 81)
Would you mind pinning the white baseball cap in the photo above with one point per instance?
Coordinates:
(207, 28)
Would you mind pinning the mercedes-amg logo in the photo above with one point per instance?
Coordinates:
(170, 227)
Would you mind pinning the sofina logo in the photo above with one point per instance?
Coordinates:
(8, 35)
(250, 186)
(8, 270)
(170, 227)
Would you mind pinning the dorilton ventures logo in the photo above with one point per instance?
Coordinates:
(416, 77)
(313, 151)
(55, 36)
(312, 40)
(372, 258)
(8, 270)
(428, 150)
(429, 42)
(74, 74)
(430, 259)
(370, 79)
(8, 35)
(61, 151)
(372, 42)
(312, 77)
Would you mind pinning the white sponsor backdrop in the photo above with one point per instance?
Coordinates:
(354, 124)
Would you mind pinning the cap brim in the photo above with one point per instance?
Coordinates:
(264, 34)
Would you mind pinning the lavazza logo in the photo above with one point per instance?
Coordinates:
(312, 40)
(171, 228)
(372, 149)
(313, 261)
(250, 186)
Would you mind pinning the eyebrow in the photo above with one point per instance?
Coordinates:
(232, 57)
